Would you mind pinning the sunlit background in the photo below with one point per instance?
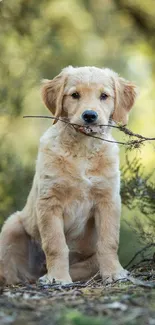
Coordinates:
(40, 37)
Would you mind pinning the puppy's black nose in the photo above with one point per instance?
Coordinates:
(89, 116)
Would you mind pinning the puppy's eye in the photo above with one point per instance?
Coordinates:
(75, 95)
(103, 96)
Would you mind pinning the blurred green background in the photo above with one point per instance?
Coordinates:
(40, 37)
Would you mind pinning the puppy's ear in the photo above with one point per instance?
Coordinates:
(52, 94)
(125, 95)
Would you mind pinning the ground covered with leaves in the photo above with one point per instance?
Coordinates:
(93, 303)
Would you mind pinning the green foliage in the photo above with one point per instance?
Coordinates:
(138, 194)
(15, 181)
(137, 189)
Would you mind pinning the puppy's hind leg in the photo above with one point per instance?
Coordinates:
(84, 270)
(14, 252)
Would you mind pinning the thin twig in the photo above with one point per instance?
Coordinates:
(74, 125)
(134, 143)
(47, 117)
(58, 286)
(144, 260)
(140, 252)
(140, 283)
(92, 279)
(130, 133)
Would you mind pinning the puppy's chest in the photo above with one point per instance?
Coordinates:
(88, 184)
(90, 170)
(86, 177)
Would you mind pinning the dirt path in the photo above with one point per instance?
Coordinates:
(131, 302)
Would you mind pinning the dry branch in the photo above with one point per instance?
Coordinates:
(131, 143)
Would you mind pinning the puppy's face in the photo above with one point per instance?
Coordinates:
(89, 96)
(88, 104)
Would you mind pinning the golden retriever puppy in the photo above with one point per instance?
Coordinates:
(69, 227)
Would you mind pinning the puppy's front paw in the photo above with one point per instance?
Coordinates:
(121, 275)
(48, 279)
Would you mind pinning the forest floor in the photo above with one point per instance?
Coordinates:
(127, 303)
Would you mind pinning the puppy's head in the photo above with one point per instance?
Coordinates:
(89, 96)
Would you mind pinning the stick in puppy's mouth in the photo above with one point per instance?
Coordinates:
(91, 129)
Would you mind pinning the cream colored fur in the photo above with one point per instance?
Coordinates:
(69, 227)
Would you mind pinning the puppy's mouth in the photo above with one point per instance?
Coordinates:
(91, 129)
